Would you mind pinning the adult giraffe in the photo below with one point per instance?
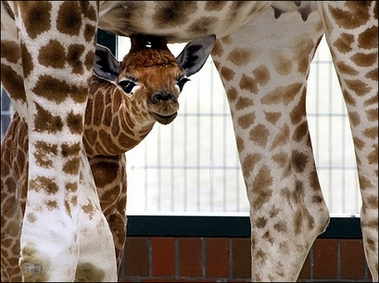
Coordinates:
(263, 56)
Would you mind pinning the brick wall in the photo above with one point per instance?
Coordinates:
(223, 259)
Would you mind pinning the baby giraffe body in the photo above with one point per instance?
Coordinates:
(126, 99)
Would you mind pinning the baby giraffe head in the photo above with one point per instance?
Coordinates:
(150, 76)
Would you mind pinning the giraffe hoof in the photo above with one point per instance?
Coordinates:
(32, 272)
(31, 266)
(87, 272)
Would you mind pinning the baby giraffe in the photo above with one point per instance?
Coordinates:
(126, 99)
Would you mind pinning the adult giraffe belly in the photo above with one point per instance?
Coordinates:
(179, 21)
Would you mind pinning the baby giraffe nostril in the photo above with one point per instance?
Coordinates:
(162, 96)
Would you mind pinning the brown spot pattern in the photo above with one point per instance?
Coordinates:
(51, 204)
(45, 122)
(240, 56)
(346, 69)
(68, 208)
(352, 19)
(70, 150)
(372, 158)
(281, 159)
(298, 220)
(75, 123)
(57, 90)
(74, 53)
(88, 10)
(260, 222)
(69, 19)
(27, 61)
(261, 256)
(299, 111)
(282, 94)
(273, 211)
(203, 25)
(262, 75)
(52, 55)
(89, 32)
(371, 133)
(44, 152)
(217, 51)
(71, 187)
(214, 5)
(365, 60)
(89, 210)
(261, 188)
(173, 13)
(246, 121)
(281, 226)
(348, 98)
(259, 135)
(299, 161)
(343, 44)
(282, 64)
(13, 83)
(72, 166)
(47, 185)
(31, 217)
(248, 164)
(267, 237)
(301, 132)
(88, 62)
(240, 144)
(273, 117)
(372, 101)
(10, 50)
(372, 75)
(232, 94)
(282, 137)
(243, 102)
(368, 39)
(36, 17)
(248, 83)
(359, 87)
(372, 115)
(227, 74)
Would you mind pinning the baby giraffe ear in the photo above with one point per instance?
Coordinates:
(106, 65)
(195, 53)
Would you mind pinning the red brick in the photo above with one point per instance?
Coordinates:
(163, 256)
(169, 279)
(241, 258)
(305, 272)
(190, 263)
(325, 259)
(136, 256)
(120, 279)
(352, 259)
(217, 257)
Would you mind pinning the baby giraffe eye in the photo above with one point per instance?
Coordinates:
(181, 82)
(127, 85)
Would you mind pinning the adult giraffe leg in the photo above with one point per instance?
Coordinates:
(265, 73)
(352, 34)
(52, 245)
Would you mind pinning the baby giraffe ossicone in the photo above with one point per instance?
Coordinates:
(125, 100)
